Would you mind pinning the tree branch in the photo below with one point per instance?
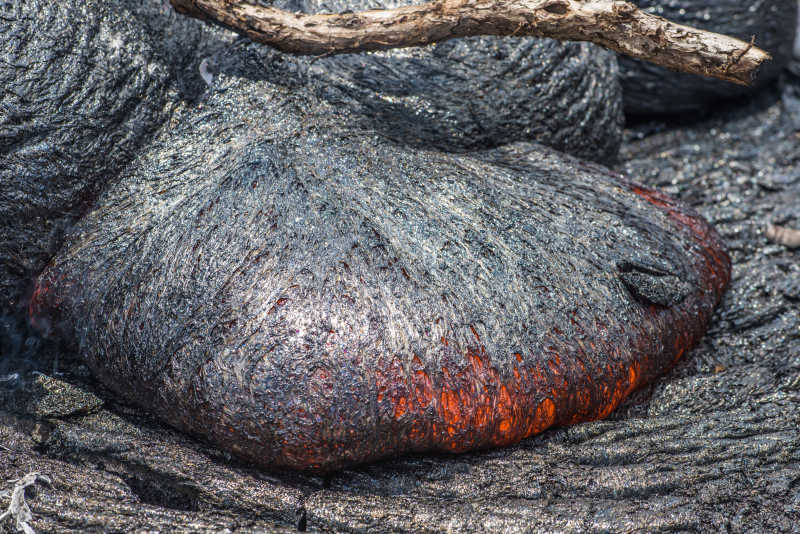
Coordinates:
(617, 25)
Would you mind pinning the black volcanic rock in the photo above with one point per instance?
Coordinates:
(649, 89)
(712, 445)
(276, 264)
(307, 294)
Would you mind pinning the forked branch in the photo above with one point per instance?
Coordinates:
(617, 25)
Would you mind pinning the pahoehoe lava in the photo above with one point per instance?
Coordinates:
(325, 298)
(88, 83)
(265, 270)
(478, 92)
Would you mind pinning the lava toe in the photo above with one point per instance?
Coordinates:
(308, 295)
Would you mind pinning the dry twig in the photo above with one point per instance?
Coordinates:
(18, 509)
(614, 24)
(788, 237)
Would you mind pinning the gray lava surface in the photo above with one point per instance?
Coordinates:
(712, 446)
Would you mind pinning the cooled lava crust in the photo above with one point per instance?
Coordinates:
(331, 299)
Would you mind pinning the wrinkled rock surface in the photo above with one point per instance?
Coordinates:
(273, 277)
(713, 446)
(314, 297)
(85, 84)
(651, 90)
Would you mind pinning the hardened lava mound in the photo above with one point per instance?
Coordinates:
(310, 296)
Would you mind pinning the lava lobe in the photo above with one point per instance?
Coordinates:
(273, 267)
(333, 298)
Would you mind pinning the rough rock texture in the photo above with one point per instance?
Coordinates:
(649, 89)
(712, 446)
(307, 295)
(87, 83)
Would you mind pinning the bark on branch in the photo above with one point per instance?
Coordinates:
(617, 25)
